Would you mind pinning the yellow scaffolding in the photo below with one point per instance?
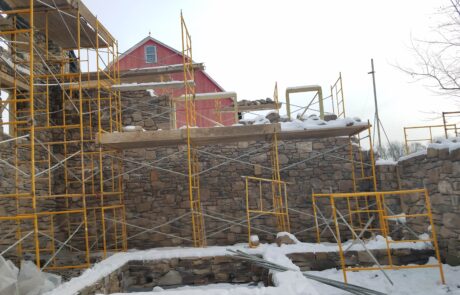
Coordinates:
(277, 188)
(337, 98)
(450, 128)
(198, 227)
(381, 213)
(432, 131)
(67, 190)
(359, 167)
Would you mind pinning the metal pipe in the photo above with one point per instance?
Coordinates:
(372, 72)
(307, 88)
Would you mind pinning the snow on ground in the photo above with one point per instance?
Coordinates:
(288, 280)
(422, 281)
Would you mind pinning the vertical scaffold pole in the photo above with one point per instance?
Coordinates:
(82, 141)
(32, 131)
(198, 226)
(433, 234)
(280, 209)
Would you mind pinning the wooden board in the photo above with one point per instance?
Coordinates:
(7, 81)
(218, 135)
(58, 31)
(145, 75)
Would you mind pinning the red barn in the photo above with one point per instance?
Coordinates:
(150, 52)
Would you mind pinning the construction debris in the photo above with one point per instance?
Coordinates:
(353, 289)
(257, 102)
(285, 238)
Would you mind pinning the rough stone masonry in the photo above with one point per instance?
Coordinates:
(439, 171)
(154, 195)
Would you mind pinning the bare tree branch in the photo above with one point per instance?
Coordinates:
(438, 59)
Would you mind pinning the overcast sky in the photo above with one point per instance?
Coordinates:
(248, 45)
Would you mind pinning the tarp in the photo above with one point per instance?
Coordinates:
(29, 280)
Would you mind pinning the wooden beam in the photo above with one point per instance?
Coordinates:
(58, 31)
(161, 70)
(219, 135)
(151, 85)
(200, 136)
(144, 75)
(7, 81)
(92, 20)
(208, 96)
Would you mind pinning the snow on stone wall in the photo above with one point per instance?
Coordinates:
(439, 171)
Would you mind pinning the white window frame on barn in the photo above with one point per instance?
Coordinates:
(150, 58)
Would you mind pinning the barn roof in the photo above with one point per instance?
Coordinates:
(150, 38)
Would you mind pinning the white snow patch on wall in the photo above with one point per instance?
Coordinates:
(416, 154)
(386, 162)
(313, 123)
(452, 144)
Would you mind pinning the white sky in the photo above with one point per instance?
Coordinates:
(248, 45)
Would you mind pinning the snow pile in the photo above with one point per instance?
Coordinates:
(289, 235)
(258, 120)
(386, 162)
(151, 92)
(412, 155)
(451, 144)
(254, 238)
(131, 128)
(380, 243)
(313, 122)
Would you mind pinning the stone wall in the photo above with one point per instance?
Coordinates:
(325, 260)
(154, 196)
(439, 171)
(138, 276)
(142, 109)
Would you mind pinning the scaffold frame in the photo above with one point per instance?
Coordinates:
(279, 207)
(337, 98)
(55, 122)
(198, 226)
(382, 213)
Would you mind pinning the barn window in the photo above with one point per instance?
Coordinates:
(150, 54)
